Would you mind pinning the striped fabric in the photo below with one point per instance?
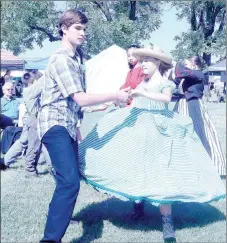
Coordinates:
(147, 152)
(218, 157)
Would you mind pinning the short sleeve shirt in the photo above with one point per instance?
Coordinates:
(63, 77)
(9, 107)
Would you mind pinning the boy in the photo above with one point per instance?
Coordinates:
(62, 96)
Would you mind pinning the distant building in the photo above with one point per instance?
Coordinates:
(217, 70)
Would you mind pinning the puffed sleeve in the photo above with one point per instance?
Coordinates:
(168, 84)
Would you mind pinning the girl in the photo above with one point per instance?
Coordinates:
(147, 152)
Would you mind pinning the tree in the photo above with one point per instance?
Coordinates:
(206, 36)
(25, 23)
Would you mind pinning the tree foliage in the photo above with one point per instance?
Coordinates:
(206, 36)
(25, 23)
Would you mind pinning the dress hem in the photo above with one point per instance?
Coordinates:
(134, 198)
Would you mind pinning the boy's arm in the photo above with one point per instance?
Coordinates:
(83, 99)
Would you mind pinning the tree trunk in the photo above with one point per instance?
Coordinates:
(49, 34)
(207, 58)
(132, 13)
(104, 8)
(223, 21)
(193, 17)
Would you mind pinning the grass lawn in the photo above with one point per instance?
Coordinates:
(98, 217)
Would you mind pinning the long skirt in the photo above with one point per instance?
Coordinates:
(152, 155)
(205, 129)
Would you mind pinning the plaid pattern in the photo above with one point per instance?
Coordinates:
(63, 77)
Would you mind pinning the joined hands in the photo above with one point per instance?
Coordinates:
(125, 95)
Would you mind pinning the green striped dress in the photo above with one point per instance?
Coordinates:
(148, 152)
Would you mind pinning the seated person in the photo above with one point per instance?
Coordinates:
(9, 106)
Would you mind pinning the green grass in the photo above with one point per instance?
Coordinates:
(98, 217)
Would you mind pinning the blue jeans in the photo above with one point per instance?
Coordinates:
(63, 151)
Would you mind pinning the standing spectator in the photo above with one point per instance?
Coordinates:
(7, 76)
(36, 74)
(2, 82)
(223, 79)
(18, 87)
(214, 94)
(190, 75)
(29, 138)
(135, 76)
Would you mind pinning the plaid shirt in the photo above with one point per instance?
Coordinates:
(63, 77)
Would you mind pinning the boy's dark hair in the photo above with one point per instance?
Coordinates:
(133, 46)
(70, 17)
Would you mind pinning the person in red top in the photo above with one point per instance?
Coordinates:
(135, 76)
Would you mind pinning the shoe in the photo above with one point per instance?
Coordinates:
(2, 165)
(138, 211)
(168, 229)
(170, 240)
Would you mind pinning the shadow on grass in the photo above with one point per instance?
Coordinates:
(118, 213)
(16, 166)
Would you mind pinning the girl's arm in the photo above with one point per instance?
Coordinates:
(165, 96)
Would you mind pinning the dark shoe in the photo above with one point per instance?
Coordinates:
(2, 165)
(170, 240)
(168, 229)
(138, 211)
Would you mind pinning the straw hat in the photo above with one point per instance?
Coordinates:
(152, 51)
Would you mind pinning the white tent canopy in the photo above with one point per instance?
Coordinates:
(14, 73)
(107, 71)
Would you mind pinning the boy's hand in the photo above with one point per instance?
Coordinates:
(122, 96)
